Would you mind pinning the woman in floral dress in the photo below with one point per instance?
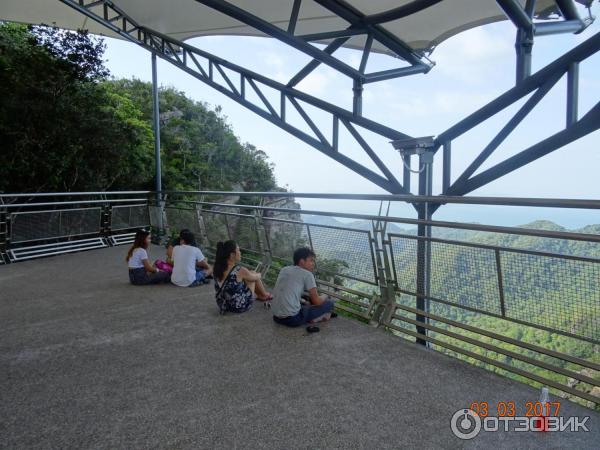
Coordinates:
(235, 286)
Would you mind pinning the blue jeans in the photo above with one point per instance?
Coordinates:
(306, 314)
(200, 277)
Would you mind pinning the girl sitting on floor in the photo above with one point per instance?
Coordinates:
(235, 286)
(140, 269)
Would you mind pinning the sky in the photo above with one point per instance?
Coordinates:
(471, 69)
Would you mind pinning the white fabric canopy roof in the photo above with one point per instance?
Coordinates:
(184, 19)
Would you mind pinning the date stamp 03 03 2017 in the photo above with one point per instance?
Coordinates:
(511, 416)
(512, 409)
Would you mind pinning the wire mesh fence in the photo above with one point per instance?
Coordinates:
(245, 232)
(284, 237)
(216, 227)
(341, 251)
(554, 292)
(403, 255)
(465, 275)
(44, 225)
(127, 217)
(182, 218)
(156, 216)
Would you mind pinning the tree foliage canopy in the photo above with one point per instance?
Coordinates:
(65, 126)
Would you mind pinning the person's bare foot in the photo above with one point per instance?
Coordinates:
(266, 298)
(323, 318)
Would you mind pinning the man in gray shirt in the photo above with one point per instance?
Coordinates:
(291, 284)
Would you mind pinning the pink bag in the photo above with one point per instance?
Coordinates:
(164, 266)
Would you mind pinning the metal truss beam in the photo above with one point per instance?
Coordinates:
(294, 16)
(202, 65)
(359, 25)
(567, 9)
(356, 18)
(348, 32)
(515, 12)
(306, 70)
(559, 66)
(540, 84)
(586, 125)
(503, 134)
(281, 35)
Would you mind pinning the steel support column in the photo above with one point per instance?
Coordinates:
(357, 89)
(156, 127)
(572, 93)
(424, 245)
(524, 41)
(523, 47)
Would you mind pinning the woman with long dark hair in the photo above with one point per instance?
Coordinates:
(235, 286)
(140, 269)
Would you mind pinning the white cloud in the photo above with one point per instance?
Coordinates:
(315, 84)
(470, 55)
(439, 102)
(272, 60)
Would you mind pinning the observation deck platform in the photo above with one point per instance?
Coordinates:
(89, 361)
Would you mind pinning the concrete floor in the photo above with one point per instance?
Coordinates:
(89, 361)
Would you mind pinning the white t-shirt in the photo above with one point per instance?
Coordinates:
(135, 262)
(291, 284)
(184, 264)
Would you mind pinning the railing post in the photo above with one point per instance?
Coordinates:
(162, 224)
(4, 218)
(386, 307)
(106, 221)
(202, 227)
(500, 282)
(262, 242)
(229, 234)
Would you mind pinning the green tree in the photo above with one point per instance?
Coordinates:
(198, 147)
(62, 128)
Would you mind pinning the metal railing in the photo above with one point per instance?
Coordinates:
(530, 311)
(45, 224)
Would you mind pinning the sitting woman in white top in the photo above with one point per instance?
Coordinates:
(140, 269)
(190, 267)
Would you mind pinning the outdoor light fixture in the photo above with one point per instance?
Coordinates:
(422, 146)
(414, 146)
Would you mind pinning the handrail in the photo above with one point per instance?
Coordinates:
(65, 194)
(442, 199)
(434, 223)
(74, 202)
